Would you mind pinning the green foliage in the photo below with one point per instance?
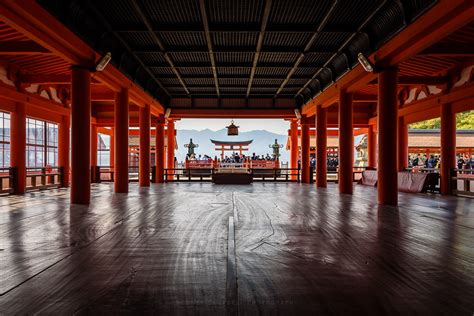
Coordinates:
(464, 120)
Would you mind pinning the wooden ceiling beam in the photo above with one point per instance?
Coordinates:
(444, 18)
(22, 48)
(449, 50)
(33, 21)
(414, 80)
(49, 79)
(233, 113)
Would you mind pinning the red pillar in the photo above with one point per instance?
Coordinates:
(448, 146)
(18, 147)
(371, 147)
(305, 176)
(63, 148)
(144, 168)
(121, 141)
(346, 143)
(94, 140)
(387, 109)
(321, 147)
(402, 144)
(171, 145)
(293, 147)
(80, 135)
(160, 150)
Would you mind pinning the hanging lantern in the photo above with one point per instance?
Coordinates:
(232, 130)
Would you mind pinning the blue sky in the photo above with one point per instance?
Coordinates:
(275, 126)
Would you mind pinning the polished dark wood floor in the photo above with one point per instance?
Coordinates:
(293, 249)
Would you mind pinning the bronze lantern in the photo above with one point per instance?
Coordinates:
(232, 129)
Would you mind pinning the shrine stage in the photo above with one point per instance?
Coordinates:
(202, 248)
(232, 176)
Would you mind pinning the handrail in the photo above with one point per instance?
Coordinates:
(258, 174)
(50, 177)
(9, 175)
(466, 176)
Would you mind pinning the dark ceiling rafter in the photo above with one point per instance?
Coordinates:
(241, 49)
(341, 48)
(126, 46)
(308, 45)
(261, 35)
(205, 21)
(158, 41)
(184, 28)
(275, 49)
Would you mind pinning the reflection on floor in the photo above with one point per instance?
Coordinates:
(296, 250)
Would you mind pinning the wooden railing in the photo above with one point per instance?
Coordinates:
(43, 178)
(462, 182)
(258, 174)
(276, 175)
(333, 174)
(7, 176)
(107, 174)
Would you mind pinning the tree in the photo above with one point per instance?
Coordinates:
(464, 120)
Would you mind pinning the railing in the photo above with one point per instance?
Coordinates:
(107, 174)
(258, 174)
(333, 173)
(43, 178)
(182, 174)
(7, 176)
(276, 175)
(423, 170)
(103, 174)
(462, 182)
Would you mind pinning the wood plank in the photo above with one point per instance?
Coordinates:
(299, 249)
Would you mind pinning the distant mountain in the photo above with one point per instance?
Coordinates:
(260, 145)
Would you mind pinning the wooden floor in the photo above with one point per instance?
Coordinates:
(292, 249)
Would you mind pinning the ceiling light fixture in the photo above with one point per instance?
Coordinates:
(298, 114)
(365, 62)
(167, 113)
(103, 62)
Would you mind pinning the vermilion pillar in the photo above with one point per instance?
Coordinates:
(402, 144)
(171, 145)
(293, 147)
(371, 147)
(448, 146)
(121, 141)
(305, 176)
(80, 135)
(63, 148)
(94, 140)
(160, 150)
(321, 147)
(346, 143)
(387, 108)
(18, 147)
(144, 164)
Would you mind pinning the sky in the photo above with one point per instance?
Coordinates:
(272, 125)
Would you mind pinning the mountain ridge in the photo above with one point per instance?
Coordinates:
(261, 140)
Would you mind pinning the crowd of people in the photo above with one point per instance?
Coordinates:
(465, 162)
(434, 161)
(199, 157)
